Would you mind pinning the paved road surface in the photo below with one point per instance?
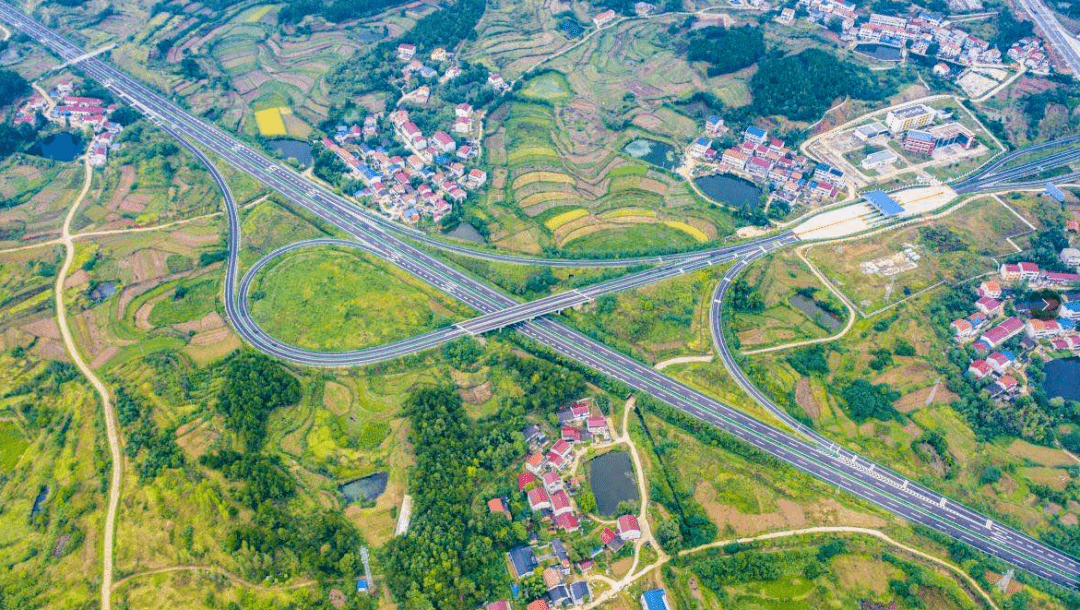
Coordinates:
(830, 464)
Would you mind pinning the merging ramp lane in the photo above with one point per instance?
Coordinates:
(843, 469)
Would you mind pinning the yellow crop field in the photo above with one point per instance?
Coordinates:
(270, 122)
(624, 212)
(531, 177)
(690, 230)
(258, 13)
(544, 197)
(557, 221)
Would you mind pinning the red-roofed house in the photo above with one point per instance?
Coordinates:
(502, 604)
(988, 306)
(443, 142)
(597, 425)
(535, 463)
(560, 503)
(571, 434)
(1054, 278)
(555, 460)
(990, 289)
(607, 536)
(1001, 333)
(463, 110)
(1041, 329)
(979, 369)
(962, 328)
(628, 527)
(999, 361)
(1019, 271)
(562, 449)
(525, 479)
(538, 499)
(553, 482)
(604, 18)
(497, 505)
(1073, 226)
(567, 522)
(540, 604)
(405, 52)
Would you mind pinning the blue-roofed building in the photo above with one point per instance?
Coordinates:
(699, 146)
(523, 559)
(1069, 311)
(1053, 191)
(714, 126)
(579, 592)
(361, 585)
(755, 135)
(882, 202)
(656, 599)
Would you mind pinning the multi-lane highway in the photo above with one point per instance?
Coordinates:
(825, 461)
(1059, 38)
(1000, 175)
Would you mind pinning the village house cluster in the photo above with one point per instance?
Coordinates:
(549, 488)
(923, 31)
(1037, 325)
(768, 162)
(67, 109)
(434, 175)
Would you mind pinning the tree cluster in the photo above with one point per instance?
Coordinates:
(803, 86)
(452, 555)
(141, 433)
(866, 400)
(254, 386)
(726, 50)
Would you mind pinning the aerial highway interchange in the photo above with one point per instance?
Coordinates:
(804, 449)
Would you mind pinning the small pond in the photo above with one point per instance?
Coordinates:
(730, 190)
(880, 52)
(657, 153)
(102, 291)
(1062, 378)
(611, 479)
(62, 146)
(44, 493)
(292, 149)
(826, 319)
(365, 489)
(467, 232)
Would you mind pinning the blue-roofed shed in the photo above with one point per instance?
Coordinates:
(883, 203)
(1053, 191)
(655, 599)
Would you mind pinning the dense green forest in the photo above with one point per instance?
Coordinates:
(254, 386)
(13, 87)
(452, 556)
(726, 49)
(803, 86)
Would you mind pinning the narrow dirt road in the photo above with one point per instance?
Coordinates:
(111, 425)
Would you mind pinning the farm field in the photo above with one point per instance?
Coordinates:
(332, 299)
(40, 189)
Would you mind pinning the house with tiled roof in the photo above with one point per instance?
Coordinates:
(560, 503)
(990, 289)
(502, 604)
(522, 561)
(1001, 333)
(597, 425)
(962, 328)
(1042, 329)
(978, 369)
(1000, 361)
(628, 528)
(540, 604)
(538, 499)
(535, 463)
(552, 482)
(525, 479)
(568, 522)
(498, 505)
(990, 307)
(610, 539)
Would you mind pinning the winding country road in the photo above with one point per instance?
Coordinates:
(111, 425)
(804, 450)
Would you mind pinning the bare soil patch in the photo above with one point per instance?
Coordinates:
(45, 328)
(804, 396)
